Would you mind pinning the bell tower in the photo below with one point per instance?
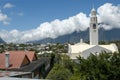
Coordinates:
(93, 30)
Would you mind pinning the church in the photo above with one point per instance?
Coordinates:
(83, 49)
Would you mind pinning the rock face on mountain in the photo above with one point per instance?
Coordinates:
(104, 35)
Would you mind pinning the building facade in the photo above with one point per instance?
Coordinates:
(93, 28)
(83, 49)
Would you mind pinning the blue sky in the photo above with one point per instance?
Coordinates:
(35, 12)
(27, 20)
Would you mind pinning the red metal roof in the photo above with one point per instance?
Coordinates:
(16, 58)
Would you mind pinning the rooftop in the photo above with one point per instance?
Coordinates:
(17, 59)
(11, 78)
(11, 73)
(34, 65)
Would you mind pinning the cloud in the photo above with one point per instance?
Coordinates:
(51, 29)
(4, 18)
(107, 14)
(8, 5)
(6, 23)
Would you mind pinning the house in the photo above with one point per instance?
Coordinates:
(83, 49)
(17, 59)
(24, 61)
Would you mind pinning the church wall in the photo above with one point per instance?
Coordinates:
(74, 55)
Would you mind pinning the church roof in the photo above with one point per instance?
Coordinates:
(93, 9)
(112, 47)
(81, 44)
(80, 47)
(84, 50)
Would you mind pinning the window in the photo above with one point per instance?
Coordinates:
(94, 26)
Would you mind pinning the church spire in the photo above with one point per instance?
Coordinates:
(93, 28)
(93, 12)
(93, 7)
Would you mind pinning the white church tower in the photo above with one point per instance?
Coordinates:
(83, 49)
(93, 30)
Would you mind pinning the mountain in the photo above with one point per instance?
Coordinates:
(109, 35)
(74, 37)
(104, 35)
(1, 40)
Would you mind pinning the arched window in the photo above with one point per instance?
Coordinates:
(94, 26)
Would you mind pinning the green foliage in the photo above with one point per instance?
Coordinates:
(63, 68)
(103, 42)
(52, 59)
(105, 66)
(75, 76)
(67, 63)
(59, 73)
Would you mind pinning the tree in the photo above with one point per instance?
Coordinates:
(59, 73)
(75, 76)
(52, 61)
(105, 66)
(67, 63)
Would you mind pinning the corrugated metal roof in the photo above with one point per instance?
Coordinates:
(11, 73)
(11, 78)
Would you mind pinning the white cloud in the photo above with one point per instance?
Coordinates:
(49, 29)
(4, 18)
(8, 5)
(107, 13)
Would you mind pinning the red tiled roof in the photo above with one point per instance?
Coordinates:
(30, 55)
(16, 58)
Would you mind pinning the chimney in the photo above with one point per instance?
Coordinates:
(81, 40)
(7, 56)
